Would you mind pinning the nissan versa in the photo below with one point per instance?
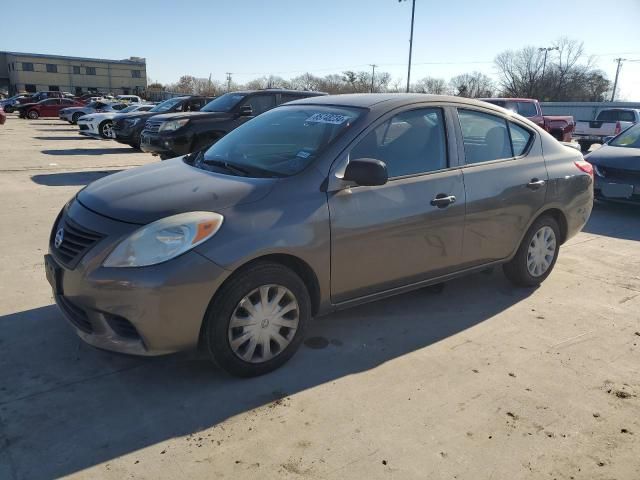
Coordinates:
(316, 205)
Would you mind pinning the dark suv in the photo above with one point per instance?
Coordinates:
(181, 133)
(127, 129)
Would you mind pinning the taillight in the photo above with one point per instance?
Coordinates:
(585, 166)
(618, 129)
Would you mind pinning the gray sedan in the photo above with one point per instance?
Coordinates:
(314, 206)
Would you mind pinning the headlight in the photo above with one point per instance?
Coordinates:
(164, 239)
(173, 125)
(85, 119)
(133, 121)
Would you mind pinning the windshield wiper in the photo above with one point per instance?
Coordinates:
(231, 167)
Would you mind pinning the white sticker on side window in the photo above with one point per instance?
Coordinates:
(332, 118)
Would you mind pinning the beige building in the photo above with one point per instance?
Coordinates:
(34, 72)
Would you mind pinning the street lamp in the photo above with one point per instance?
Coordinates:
(413, 12)
(546, 50)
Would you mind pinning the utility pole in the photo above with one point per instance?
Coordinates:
(228, 81)
(546, 50)
(615, 82)
(413, 13)
(373, 74)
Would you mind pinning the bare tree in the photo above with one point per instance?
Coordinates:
(435, 86)
(472, 85)
(568, 74)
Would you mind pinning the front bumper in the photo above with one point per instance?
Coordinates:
(126, 134)
(142, 311)
(165, 144)
(67, 117)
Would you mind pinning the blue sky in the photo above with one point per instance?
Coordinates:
(252, 38)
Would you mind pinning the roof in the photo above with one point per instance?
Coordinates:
(279, 90)
(141, 61)
(386, 100)
(507, 99)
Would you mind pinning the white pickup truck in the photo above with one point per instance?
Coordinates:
(609, 122)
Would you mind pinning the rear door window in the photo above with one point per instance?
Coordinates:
(616, 116)
(260, 103)
(526, 109)
(520, 139)
(485, 136)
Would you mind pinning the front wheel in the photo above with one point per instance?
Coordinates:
(106, 129)
(256, 321)
(33, 114)
(536, 255)
(8, 109)
(75, 117)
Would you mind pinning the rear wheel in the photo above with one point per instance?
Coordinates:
(536, 255)
(75, 117)
(256, 321)
(106, 129)
(33, 114)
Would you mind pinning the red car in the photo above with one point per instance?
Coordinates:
(560, 126)
(46, 108)
(3, 116)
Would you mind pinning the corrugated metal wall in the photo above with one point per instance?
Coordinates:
(582, 110)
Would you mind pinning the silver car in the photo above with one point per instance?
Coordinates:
(72, 114)
(316, 205)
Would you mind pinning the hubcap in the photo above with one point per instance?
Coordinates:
(541, 251)
(106, 129)
(263, 323)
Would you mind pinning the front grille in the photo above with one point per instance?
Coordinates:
(122, 326)
(77, 241)
(75, 314)
(84, 127)
(153, 126)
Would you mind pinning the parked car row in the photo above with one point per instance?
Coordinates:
(182, 125)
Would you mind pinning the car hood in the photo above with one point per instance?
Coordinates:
(145, 194)
(622, 158)
(137, 114)
(193, 115)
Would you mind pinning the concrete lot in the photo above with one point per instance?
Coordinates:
(479, 381)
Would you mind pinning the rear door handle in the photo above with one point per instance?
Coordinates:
(443, 200)
(535, 184)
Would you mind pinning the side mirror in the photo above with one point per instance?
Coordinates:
(366, 172)
(608, 138)
(246, 111)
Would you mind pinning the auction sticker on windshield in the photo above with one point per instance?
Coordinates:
(332, 118)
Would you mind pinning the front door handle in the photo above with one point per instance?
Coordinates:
(535, 184)
(443, 200)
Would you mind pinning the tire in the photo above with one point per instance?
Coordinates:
(33, 114)
(105, 129)
(75, 117)
(518, 270)
(8, 109)
(248, 285)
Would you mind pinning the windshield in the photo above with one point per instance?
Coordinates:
(630, 138)
(278, 143)
(223, 103)
(166, 105)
